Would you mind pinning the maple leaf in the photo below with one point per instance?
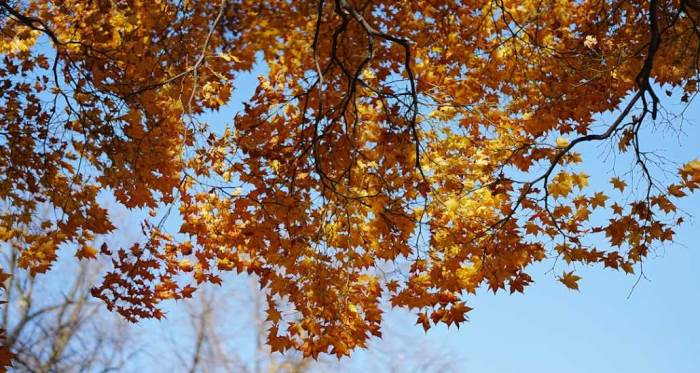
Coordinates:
(561, 185)
(532, 228)
(676, 191)
(598, 200)
(333, 167)
(580, 180)
(86, 252)
(273, 314)
(457, 313)
(424, 321)
(570, 280)
(187, 291)
(185, 265)
(618, 183)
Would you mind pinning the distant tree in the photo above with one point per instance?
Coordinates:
(225, 330)
(53, 324)
(413, 151)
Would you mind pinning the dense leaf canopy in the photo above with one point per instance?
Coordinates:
(409, 151)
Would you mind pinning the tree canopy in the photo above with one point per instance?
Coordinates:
(408, 151)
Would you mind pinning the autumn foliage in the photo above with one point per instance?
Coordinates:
(409, 151)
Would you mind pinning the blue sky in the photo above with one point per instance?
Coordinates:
(548, 329)
(601, 328)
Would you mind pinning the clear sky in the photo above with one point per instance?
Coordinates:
(598, 329)
(601, 328)
(550, 328)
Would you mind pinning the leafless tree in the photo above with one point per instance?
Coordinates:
(407, 350)
(218, 330)
(224, 330)
(53, 325)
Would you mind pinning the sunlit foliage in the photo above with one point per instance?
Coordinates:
(414, 151)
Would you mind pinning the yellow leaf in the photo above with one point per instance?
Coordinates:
(86, 252)
(561, 185)
(452, 204)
